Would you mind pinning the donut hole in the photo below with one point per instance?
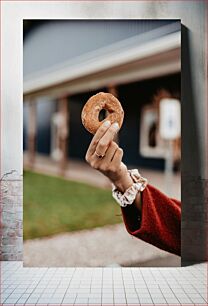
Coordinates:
(102, 114)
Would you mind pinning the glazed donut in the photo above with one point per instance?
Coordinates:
(91, 110)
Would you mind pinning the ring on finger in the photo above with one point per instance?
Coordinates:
(99, 155)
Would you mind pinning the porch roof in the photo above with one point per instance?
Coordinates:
(147, 55)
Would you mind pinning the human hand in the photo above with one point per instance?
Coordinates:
(105, 155)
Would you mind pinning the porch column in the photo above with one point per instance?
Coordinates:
(63, 133)
(113, 90)
(32, 127)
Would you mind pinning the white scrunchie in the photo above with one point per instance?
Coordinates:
(128, 197)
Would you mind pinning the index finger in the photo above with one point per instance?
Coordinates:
(109, 135)
(98, 135)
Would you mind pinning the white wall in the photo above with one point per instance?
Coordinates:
(194, 114)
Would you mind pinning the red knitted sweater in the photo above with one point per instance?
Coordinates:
(160, 222)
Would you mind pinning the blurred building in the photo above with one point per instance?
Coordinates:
(65, 62)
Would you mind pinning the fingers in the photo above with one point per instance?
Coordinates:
(111, 164)
(98, 135)
(106, 139)
(110, 152)
(105, 165)
(117, 158)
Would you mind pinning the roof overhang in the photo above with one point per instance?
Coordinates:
(158, 57)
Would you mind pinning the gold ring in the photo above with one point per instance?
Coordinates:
(99, 155)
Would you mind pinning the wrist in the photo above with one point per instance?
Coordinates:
(124, 181)
(128, 191)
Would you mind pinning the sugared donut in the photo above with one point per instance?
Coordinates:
(91, 111)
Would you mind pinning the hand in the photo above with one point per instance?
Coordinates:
(110, 164)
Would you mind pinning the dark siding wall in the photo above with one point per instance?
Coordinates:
(134, 97)
(45, 109)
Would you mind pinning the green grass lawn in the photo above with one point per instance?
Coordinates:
(53, 205)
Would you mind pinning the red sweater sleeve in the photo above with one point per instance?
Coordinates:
(160, 222)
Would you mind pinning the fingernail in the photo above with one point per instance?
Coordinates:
(115, 125)
(107, 123)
